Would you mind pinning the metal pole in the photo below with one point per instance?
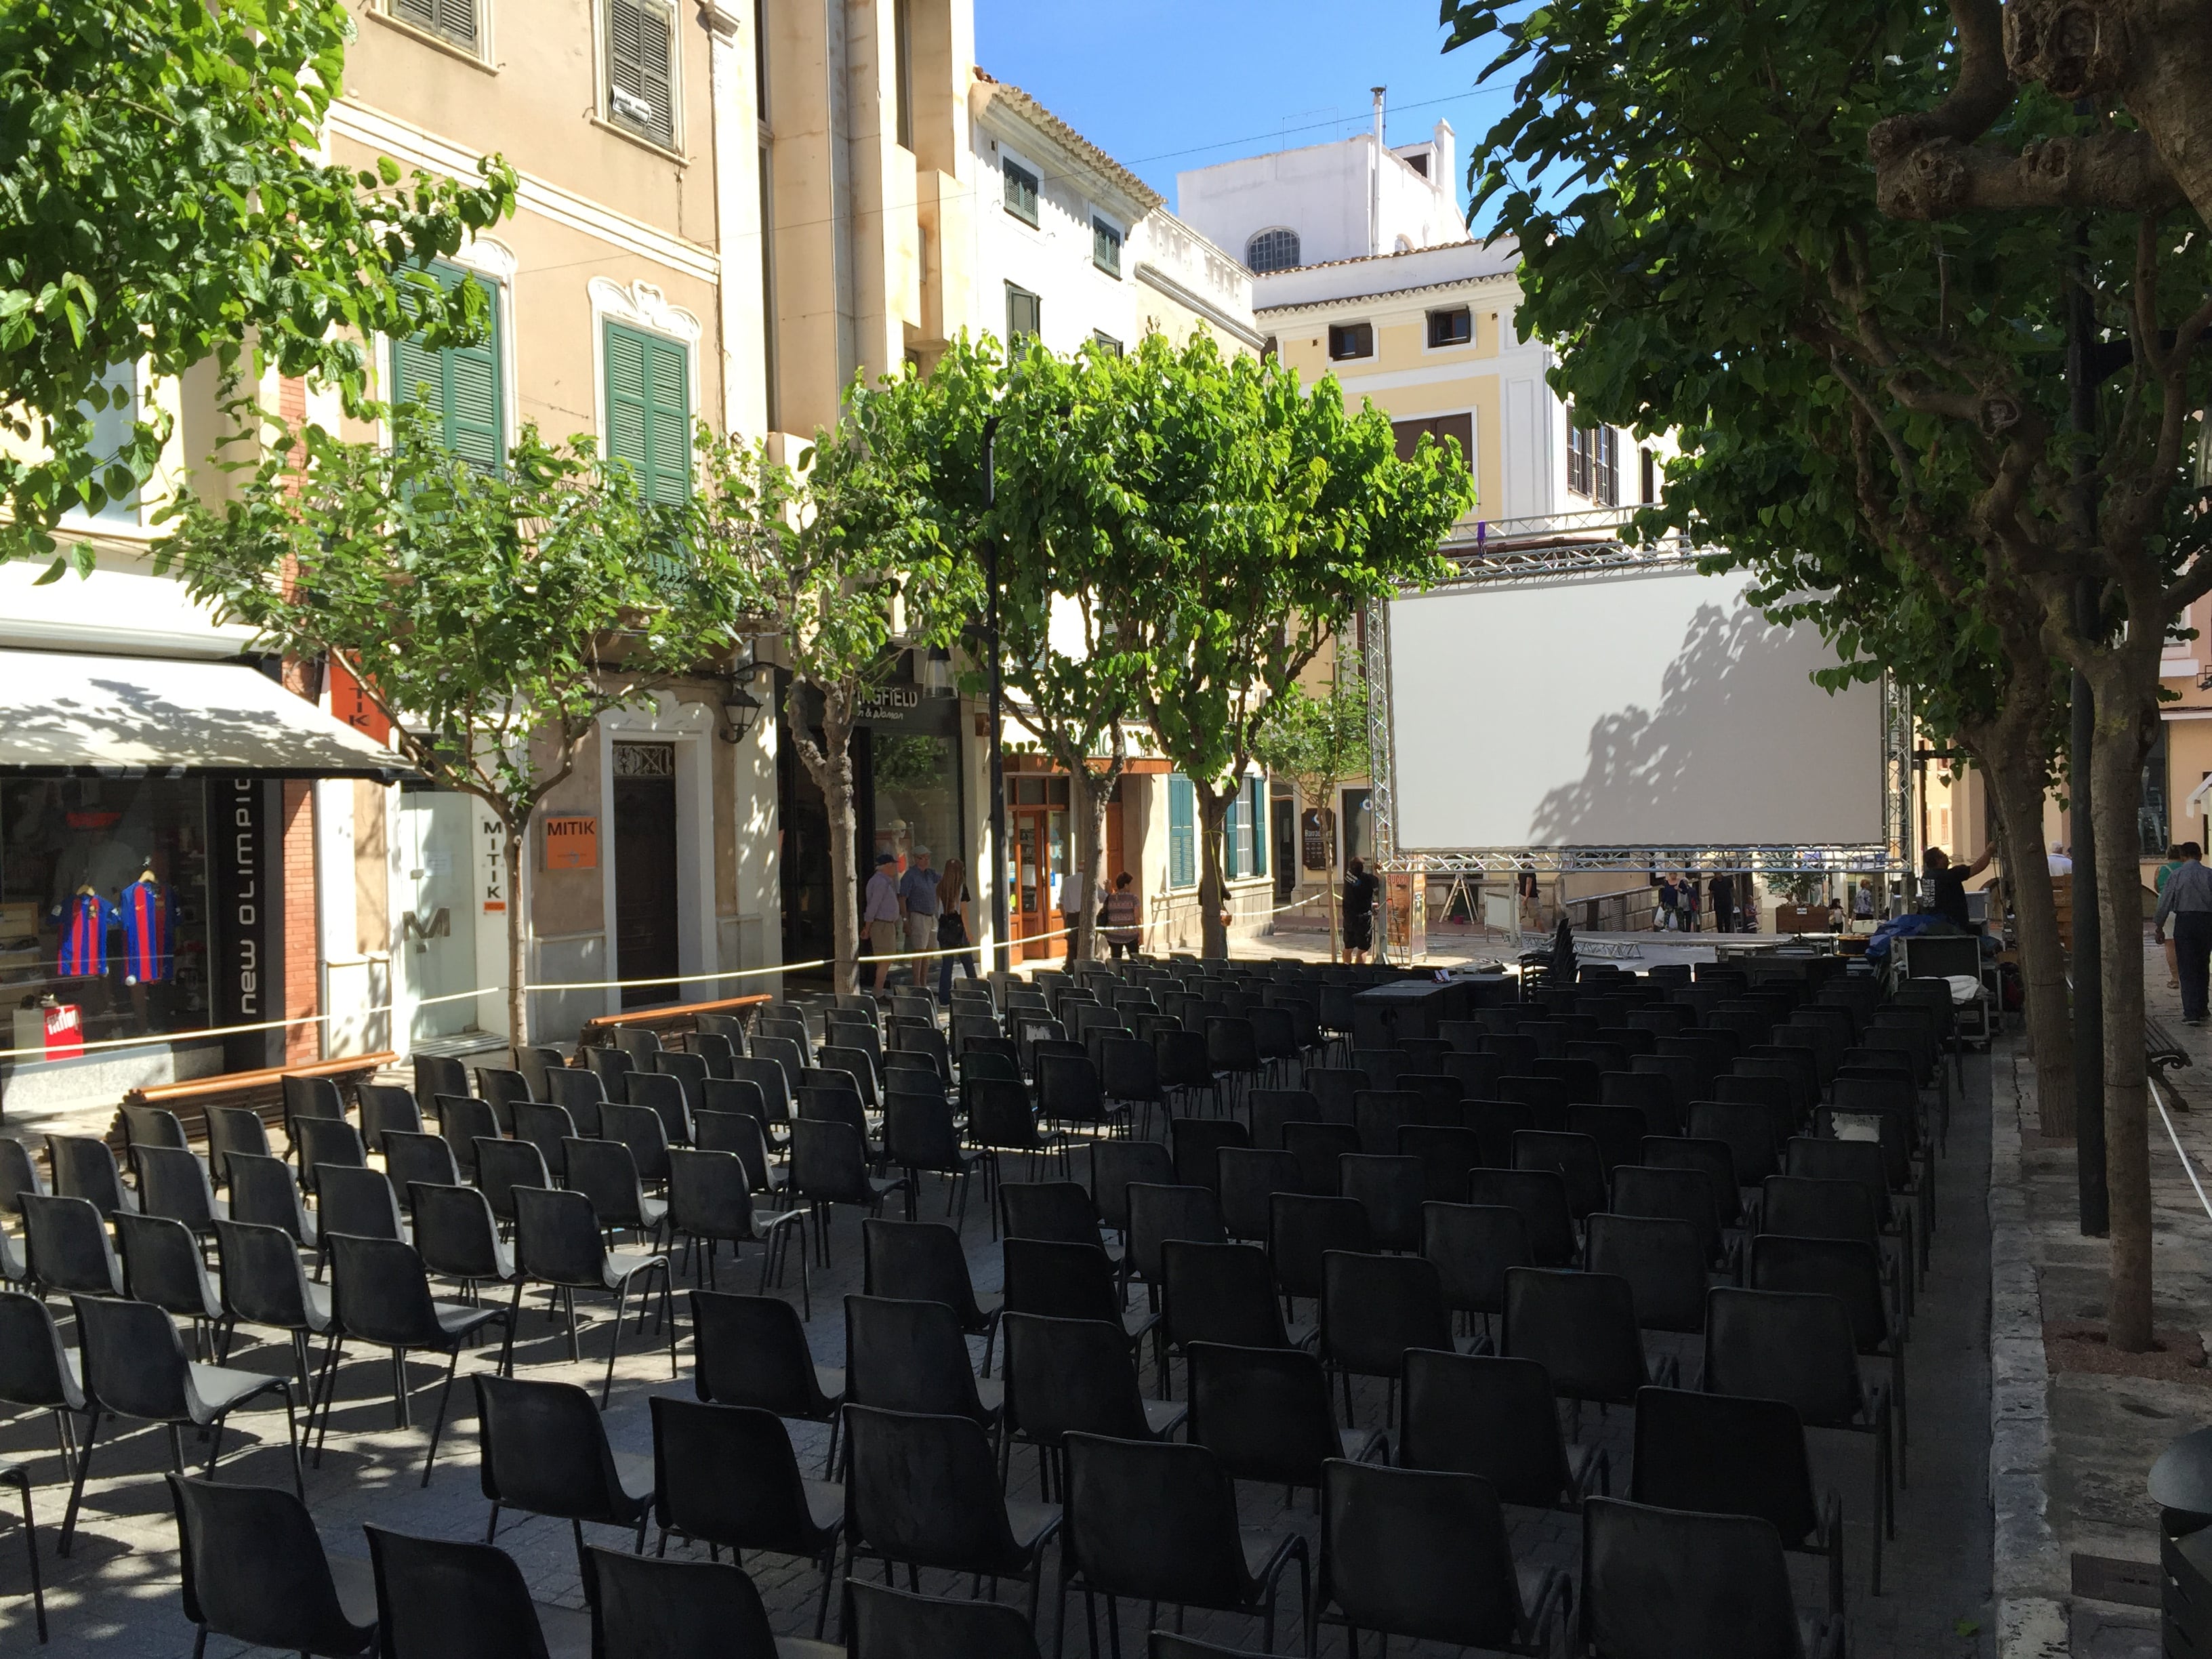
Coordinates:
(1000, 941)
(2088, 926)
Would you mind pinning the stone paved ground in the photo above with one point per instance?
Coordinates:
(117, 1597)
(2104, 1432)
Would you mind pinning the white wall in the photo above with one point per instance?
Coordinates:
(1324, 192)
(1053, 257)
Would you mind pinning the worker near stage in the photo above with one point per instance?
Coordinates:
(1948, 885)
(2187, 904)
(1359, 888)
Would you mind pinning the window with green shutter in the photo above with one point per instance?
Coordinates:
(1256, 815)
(460, 387)
(1182, 833)
(642, 69)
(649, 411)
(1234, 838)
(452, 19)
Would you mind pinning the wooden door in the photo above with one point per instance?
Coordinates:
(645, 887)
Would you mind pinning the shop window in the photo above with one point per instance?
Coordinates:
(104, 905)
(458, 388)
(917, 789)
(649, 411)
(1182, 833)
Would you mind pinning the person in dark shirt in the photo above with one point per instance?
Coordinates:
(1946, 884)
(1722, 891)
(1359, 888)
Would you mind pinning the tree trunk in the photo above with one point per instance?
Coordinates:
(1213, 883)
(829, 763)
(518, 942)
(2117, 785)
(2016, 785)
(1088, 791)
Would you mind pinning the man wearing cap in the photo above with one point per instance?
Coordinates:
(879, 917)
(917, 891)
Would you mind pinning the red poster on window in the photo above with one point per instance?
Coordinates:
(353, 705)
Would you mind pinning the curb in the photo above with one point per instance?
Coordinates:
(2032, 1613)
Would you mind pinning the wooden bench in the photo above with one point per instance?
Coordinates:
(263, 1091)
(682, 1016)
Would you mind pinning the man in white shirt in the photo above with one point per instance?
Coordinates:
(879, 918)
(2061, 865)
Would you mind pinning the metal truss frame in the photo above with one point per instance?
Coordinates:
(1563, 545)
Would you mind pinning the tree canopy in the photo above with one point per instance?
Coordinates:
(493, 618)
(161, 201)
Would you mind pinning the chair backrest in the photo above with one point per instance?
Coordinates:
(327, 1143)
(439, 1074)
(919, 1133)
(605, 1172)
(1482, 1414)
(381, 1293)
(1058, 1210)
(646, 1607)
(173, 1182)
(386, 1107)
(1392, 1188)
(1540, 1196)
(1303, 1228)
(918, 1262)
(33, 1371)
(1657, 1583)
(727, 1475)
(1375, 1307)
(501, 1088)
(895, 1624)
(544, 1449)
(1118, 1165)
(752, 1351)
(1263, 1411)
(1807, 1207)
(263, 1190)
(1067, 1375)
(1250, 1177)
(1472, 1245)
(441, 1600)
(254, 1571)
(1576, 1158)
(1159, 1213)
(830, 1161)
(1418, 1553)
(545, 1127)
(1664, 1260)
(84, 1168)
(1724, 1455)
(425, 1159)
(1847, 1269)
(1672, 1193)
(455, 1231)
(1792, 1346)
(909, 1357)
(1153, 1521)
(556, 1239)
(578, 1092)
(642, 1132)
(1221, 1293)
(1061, 1279)
(311, 1097)
(1197, 1143)
(68, 1247)
(1581, 1327)
(134, 1363)
(357, 1201)
(924, 1488)
(505, 1166)
(152, 1126)
(162, 1265)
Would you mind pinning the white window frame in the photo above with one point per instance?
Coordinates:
(1008, 155)
(640, 305)
(1112, 221)
(497, 264)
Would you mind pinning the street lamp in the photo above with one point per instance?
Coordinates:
(740, 708)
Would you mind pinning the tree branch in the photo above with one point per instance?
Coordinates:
(1983, 92)
(2118, 171)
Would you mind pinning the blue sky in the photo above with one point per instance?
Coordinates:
(1163, 86)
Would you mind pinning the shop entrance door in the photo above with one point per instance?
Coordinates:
(437, 925)
(645, 871)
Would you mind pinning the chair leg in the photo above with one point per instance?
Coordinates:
(76, 1484)
(829, 1577)
(31, 1549)
(614, 1347)
(445, 1395)
(328, 1390)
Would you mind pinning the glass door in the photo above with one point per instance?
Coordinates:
(437, 928)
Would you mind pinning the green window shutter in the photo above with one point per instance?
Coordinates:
(1182, 833)
(460, 387)
(649, 411)
(641, 76)
(1258, 815)
(1233, 837)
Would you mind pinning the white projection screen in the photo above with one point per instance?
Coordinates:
(1635, 709)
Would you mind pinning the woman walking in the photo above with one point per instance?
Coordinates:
(952, 900)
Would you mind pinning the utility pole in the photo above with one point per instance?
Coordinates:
(2088, 926)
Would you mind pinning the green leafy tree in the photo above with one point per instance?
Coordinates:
(1711, 252)
(161, 201)
(493, 618)
(842, 561)
(1317, 742)
(1271, 515)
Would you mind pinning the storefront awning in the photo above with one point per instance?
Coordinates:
(64, 713)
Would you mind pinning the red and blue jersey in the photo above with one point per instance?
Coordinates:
(85, 918)
(148, 911)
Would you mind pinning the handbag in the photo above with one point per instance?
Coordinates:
(952, 931)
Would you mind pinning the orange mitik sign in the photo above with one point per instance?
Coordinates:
(572, 843)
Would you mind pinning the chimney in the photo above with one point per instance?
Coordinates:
(1375, 181)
